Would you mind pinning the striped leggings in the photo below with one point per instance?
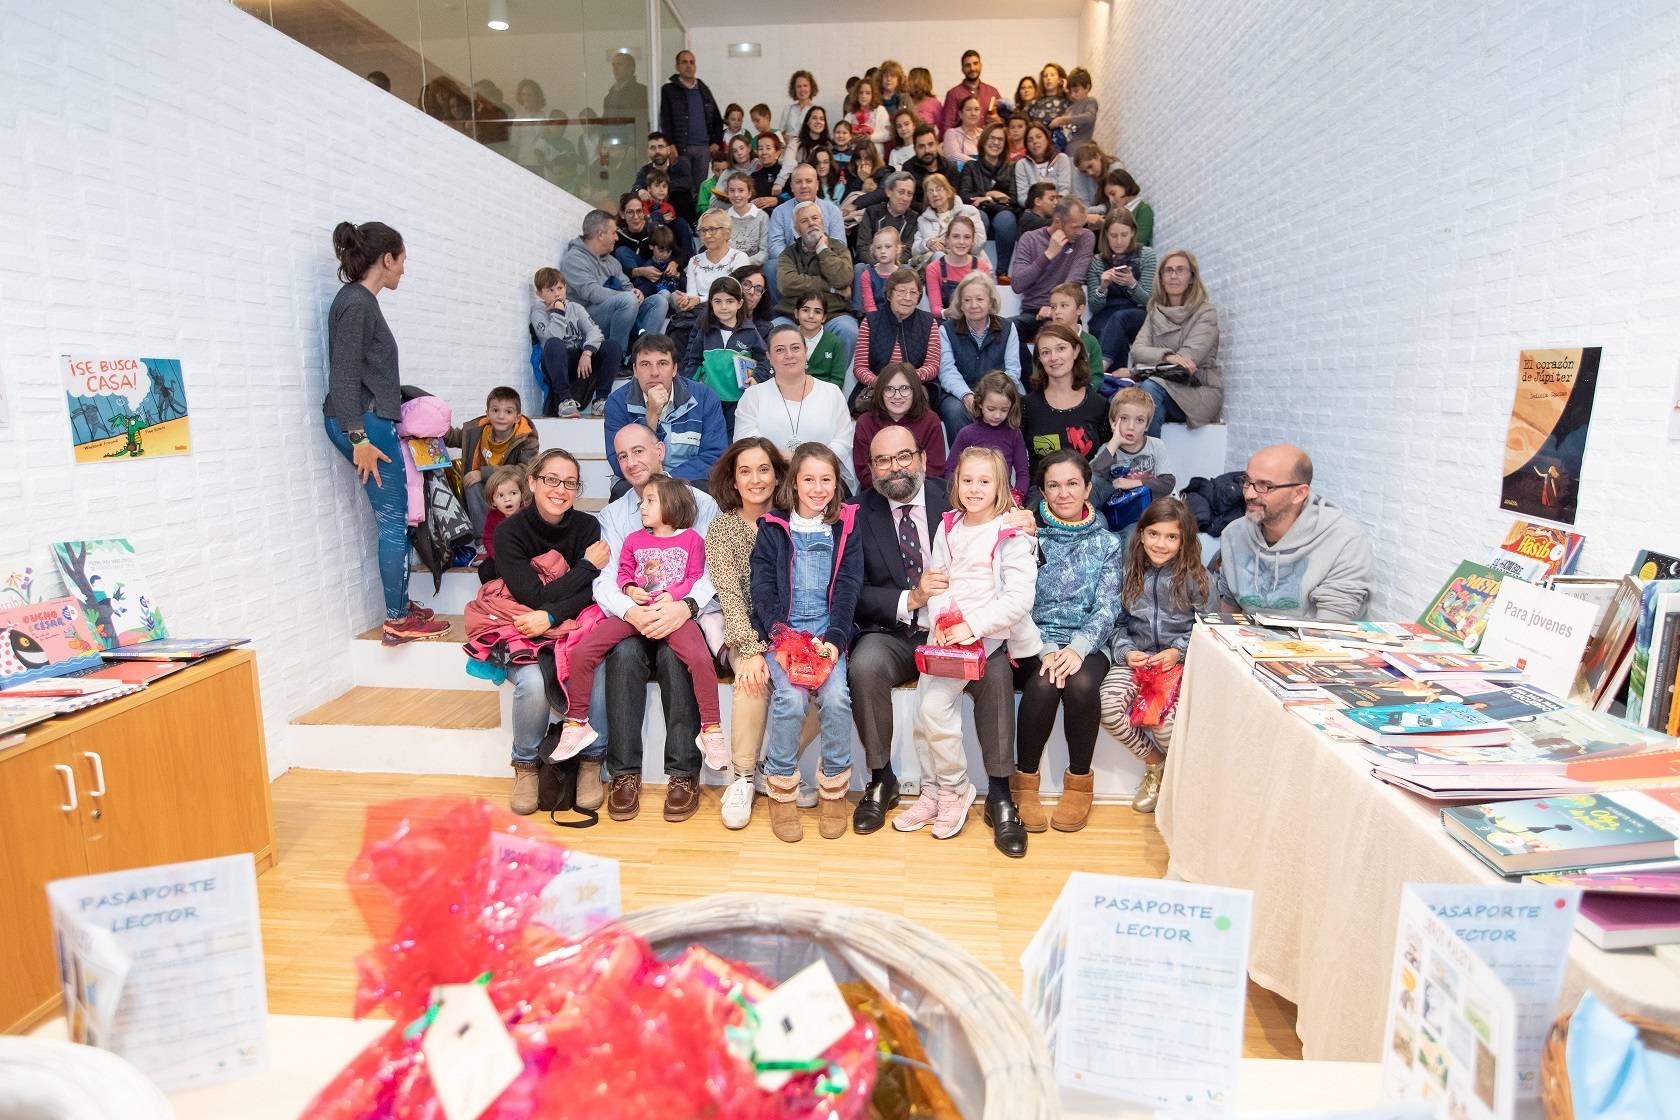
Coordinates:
(1116, 696)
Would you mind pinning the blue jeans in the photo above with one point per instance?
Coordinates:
(389, 499)
(619, 315)
(1005, 228)
(1165, 408)
(1116, 327)
(954, 415)
(532, 714)
(787, 716)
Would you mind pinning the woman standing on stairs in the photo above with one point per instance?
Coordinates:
(364, 403)
(548, 524)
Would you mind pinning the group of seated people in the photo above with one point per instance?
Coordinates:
(716, 545)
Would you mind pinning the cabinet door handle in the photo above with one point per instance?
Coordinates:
(69, 786)
(98, 772)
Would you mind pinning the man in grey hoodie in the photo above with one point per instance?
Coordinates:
(596, 280)
(1292, 553)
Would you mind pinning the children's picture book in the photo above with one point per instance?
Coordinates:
(1662, 884)
(1292, 649)
(1459, 610)
(1419, 664)
(1451, 1028)
(126, 408)
(746, 370)
(1419, 723)
(1560, 833)
(1307, 675)
(105, 578)
(1649, 565)
(135, 672)
(17, 714)
(173, 649)
(430, 453)
(1611, 643)
(1573, 732)
(1551, 412)
(1543, 633)
(1224, 618)
(1535, 552)
(46, 639)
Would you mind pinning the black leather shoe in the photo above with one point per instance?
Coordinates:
(1009, 835)
(871, 811)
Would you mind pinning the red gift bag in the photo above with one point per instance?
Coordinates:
(1157, 692)
(796, 652)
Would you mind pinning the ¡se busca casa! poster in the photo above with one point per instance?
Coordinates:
(1548, 432)
(126, 408)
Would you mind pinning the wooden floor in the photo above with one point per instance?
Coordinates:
(961, 889)
(455, 708)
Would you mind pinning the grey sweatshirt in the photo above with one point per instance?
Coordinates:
(589, 278)
(750, 234)
(1320, 569)
(569, 323)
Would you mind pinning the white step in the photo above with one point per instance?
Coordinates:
(438, 663)
(459, 587)
(1195, 452)
(583, 434)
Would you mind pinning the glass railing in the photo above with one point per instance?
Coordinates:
(557, 86)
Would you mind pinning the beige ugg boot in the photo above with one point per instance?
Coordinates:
(784, 808)
(834, 814)
(1023, 788)
(1075, 805)
(523, 799)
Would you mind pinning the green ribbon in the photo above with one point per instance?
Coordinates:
(834, 1080)
(422, 1022)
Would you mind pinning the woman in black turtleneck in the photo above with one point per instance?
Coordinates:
(548, 524)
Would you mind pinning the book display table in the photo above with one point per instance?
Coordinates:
(1255, 798)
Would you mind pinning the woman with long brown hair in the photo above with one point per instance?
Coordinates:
(1165, 586)
(1064, 410)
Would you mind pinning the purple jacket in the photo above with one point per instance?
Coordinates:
(1006, 441)
(1032, 276)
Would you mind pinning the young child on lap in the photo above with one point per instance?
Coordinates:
(658, 563)
(510, 491)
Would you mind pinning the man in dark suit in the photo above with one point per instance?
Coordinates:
(897, 521)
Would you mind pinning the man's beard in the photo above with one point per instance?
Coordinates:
(899, 486)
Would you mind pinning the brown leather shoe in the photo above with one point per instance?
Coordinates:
(1023, 790)
(624, 799)
(682, 797)
(1074, 808)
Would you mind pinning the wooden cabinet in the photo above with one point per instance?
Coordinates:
(176, 772)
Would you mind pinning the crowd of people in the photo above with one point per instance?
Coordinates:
(830, 429)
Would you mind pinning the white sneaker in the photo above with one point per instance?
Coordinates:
(738, 803)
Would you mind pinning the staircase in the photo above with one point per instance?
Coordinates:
(413, 708)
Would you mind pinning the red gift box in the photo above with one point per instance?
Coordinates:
(959, 663)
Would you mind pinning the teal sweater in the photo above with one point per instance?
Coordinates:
(1078, 583)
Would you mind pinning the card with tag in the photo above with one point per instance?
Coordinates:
(799, 1020)
(469, 1054)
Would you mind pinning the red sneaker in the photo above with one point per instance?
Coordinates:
(413, 628)
(418, 611)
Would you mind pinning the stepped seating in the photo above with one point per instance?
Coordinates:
(414, 709)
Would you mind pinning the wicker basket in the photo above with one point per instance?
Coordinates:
(1554, 1062)
(989, 1054)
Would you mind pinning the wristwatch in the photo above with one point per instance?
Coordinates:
(356, 438)
(693, 608)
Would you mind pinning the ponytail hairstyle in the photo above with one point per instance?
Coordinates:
(359, 248)
(1189, 579)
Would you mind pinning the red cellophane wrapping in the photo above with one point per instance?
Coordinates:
(1157, 692)
(959, 663)
(607, 1031)
(796, 652)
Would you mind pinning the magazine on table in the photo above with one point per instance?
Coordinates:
(173, 649)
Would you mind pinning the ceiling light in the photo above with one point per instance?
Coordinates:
(745, 50)
(498, 15)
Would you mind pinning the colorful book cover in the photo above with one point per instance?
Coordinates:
(1575, 824)
(1535, 552)
(1652, 766)
(1656, 883)
(1390, 692)
(47, 639)
(1292, 649)
(1292, 674)
(125, 408)
(1421, 719)
(105, 578)
(429, 453)
(1459, 610)
(1551, 411)
(1655, 565)
(1420, 664)
(1323, 718)
(1652, 613)
(1516, 702)
(1608, 644)
(173, 649)
(1574, 732)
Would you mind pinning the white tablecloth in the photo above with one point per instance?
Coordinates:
(306, 1052)
(1255, 798)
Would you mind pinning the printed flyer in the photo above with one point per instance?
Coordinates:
(164, 966)
(1451, 1022)
(1547, 435)
(126, 408)
(1139, 987)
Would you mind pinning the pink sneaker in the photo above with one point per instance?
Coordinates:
(712, 746)
(953, 812)
(576, 736)
(922, 812)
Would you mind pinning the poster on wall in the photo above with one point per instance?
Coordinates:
(126, 408)
(1548, 432)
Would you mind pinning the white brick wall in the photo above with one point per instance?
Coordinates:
(1009, 48)
(172, 174)
(1388, 203)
